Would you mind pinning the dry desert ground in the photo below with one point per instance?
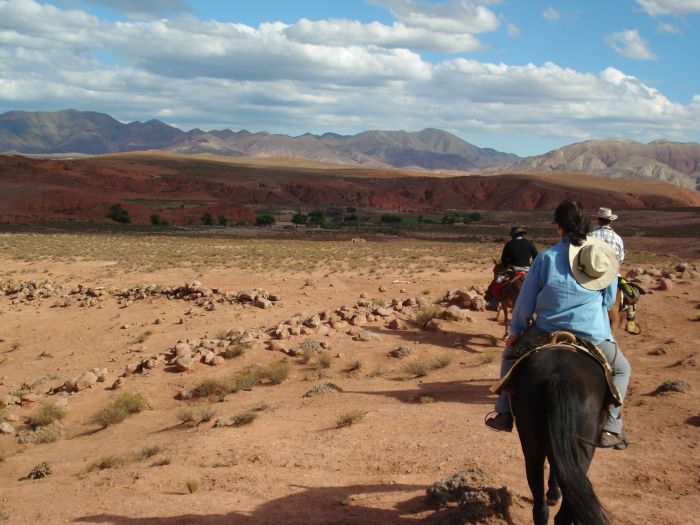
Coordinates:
(249, 443)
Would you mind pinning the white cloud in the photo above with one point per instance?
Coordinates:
(348, 32)
(667, 28)
(460, 16)
(669, 7)
(630, 44)
(145, 8)
(513, 30)
(551, 14)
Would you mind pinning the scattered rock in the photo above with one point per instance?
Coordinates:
(398, 324)
(86, 380)
(184, 363)
(40, 471)
(366, 335)
(324, 388)
(665, 284)
(477, 501)
(7, 428)
(401, 351)
(673, 385)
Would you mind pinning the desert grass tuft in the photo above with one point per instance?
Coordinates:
(488, 357)
(349, 418)
(235, 350)
(247, 378)
(421, 366)
(192, 485)
(243, 418)
(107, 462)
(161, 462)
(354, 366)
(146, 452)
(46, 414)
(143, 337)
(214, 388)
(186, 417)
(426, 313)
(125, 405)
(275, 373)
(206, 414)
(323, 361)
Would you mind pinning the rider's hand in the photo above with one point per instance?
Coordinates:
(512, 339)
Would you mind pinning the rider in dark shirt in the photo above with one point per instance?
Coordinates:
(518, 252)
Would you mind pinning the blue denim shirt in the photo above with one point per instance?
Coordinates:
(560, 303)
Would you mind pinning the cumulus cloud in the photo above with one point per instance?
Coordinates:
(460, 16)
(144, 8)
(669, 7)
(667, 28)
(349, 32)
(630, 44)
(551, 14)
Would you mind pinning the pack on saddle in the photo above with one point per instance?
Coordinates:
(629, 295)
(565, 340)
(502, 278)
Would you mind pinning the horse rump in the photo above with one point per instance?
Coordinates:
(559, 403)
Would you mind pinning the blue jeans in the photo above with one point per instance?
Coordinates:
(620, 366)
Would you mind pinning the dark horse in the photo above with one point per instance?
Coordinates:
(507, 296)
(559, 405)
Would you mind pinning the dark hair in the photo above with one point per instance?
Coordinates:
(570, 216)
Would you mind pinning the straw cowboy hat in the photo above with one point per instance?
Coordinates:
(594, 264)
(606, 213)
(517, 230)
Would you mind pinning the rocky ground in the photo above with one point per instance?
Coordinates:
(276, 395)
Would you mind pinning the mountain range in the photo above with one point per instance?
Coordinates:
(92, 133)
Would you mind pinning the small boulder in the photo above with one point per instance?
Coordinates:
(7, 428)
(86, 380)
(367, 336)
(184, 363)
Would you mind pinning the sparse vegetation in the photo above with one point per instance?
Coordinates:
(489, 356)
(161, 462)
(243, 418)
(157, 220)
(119, 214)
(42, 435)
(421, 366)
(192, 485)
(125, 405)
(354, 366)
(107, 462)
(186, 417)
(235, 350)
(265, 219)
(275, 373)
(426, 399)
(46, 414)
(349, 418)
(217, 388)
(426, 313)
(143, 337)
(323, 361)
(147, 452)
(300, 218)
(207, 219)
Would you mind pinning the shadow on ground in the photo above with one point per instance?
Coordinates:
(350, 505)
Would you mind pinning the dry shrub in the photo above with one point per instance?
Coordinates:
(244, 418)
(421, 366)
(214, 388)
(46, 414)
(107, 462)
(146, 452)
(206, 414)
(349, 418)
(161, 462)
(323, 361)
(275, 373)
(192, 485)
(426, 313)
(247, 378)
(125, 405)
(354, 366)
(235, 350)
(186, 417)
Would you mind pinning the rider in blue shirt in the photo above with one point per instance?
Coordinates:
(563, 293)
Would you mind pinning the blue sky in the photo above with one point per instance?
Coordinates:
(522, 77)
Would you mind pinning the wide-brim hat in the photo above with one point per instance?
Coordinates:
(594, 263)
(517, 230)
(606, 213)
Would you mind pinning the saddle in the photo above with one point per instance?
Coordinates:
(567, 341)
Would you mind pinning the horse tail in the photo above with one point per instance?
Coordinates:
(562, 409)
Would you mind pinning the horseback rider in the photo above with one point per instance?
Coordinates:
(518, 253)
(570, 287)
(604, 231)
